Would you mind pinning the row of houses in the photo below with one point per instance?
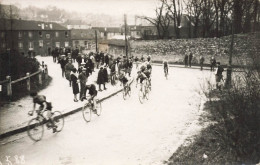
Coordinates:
(42, 37)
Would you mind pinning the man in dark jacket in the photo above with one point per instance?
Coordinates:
(219, 75)
(190, 58)
(63, 61)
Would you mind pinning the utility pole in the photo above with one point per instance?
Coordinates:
(126, 46)
(96, 40)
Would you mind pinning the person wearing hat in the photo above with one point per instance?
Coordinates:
(83, 80)
(100, 78)
(62, 61)
(68, 68)
(218, 75)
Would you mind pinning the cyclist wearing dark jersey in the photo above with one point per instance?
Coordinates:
(92, 91)
(142, 77)
(44, 105)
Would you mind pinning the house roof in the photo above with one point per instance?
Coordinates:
(108, 29)
(83, 34)
(5, 24)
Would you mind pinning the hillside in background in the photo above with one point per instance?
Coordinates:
(174, 50)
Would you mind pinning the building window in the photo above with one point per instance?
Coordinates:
(57, 44)
(30, 45)
(67, 44)
(48, 36)
(40, 34)
(20, 34)
(20, 45)
(40, 43)
(2, 34)
(66, 34)
(85, 43)
(30, 34)
(56, 34)
(3, 45)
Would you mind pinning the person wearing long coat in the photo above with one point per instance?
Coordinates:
(100, 78)
(75, 86)
(68, 68)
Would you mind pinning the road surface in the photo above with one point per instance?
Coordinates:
(127, 132)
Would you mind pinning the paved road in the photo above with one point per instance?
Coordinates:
(127, 132)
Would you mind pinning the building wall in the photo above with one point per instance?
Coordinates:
(38, 41)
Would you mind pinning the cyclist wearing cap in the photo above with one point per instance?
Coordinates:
(92, 91)
(44, 105)
(142, 77)
(123, 79)
(165, 67)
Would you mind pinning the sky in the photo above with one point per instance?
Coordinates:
(111, 7)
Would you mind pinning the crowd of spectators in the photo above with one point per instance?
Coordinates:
(78, 75)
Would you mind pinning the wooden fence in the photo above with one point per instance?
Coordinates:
(8, 82)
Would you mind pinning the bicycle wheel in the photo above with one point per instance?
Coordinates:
(141, 96)
(147, 91)
(99, 108)
(35, 129)
(126, 92)
(86, 112)
(58, 120)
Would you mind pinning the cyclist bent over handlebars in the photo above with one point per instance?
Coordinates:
(44, 105)
(93, 93)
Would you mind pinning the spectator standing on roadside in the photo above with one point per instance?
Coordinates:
(106, 60)
(212, 63)
(83, 80)
(186, 60)
(218, 75)
(142, 58)
(75, 86)
(190, 58)
(100, 78)
(97, 58)
(63, 62)
(201, 62)
(68, 68)
(79, 59)
(105, 75)
(149, 58)
(102, 58)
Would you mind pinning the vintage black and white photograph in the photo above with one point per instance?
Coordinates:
(129, 82)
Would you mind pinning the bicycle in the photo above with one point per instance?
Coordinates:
(35, 128)
(126, 91)
(143, 94)
(88, 109)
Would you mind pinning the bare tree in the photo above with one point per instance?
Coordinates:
(160, 21)
(175, 9)
(194, 9)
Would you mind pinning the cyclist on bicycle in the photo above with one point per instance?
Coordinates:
(124, 79)
(92, 91)
(142, 77)
(149, 66)
(165, 67)
(44, 105)
(148, 73)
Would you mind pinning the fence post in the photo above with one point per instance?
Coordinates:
(28, 82)
(9, 86)
(40, 78)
